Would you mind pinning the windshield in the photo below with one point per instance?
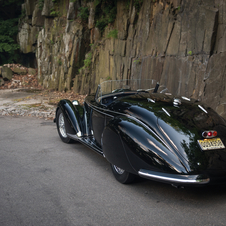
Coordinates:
(128, 86)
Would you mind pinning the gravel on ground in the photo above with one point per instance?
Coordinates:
(24, 96)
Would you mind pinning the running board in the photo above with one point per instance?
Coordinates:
(87, 142)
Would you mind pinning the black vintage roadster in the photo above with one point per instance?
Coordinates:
(143, 130)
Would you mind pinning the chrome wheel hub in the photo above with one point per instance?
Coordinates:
(62, 126)
(118, 170)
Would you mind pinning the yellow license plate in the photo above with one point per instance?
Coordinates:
(211, 144)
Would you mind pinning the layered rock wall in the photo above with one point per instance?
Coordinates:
(181, 43)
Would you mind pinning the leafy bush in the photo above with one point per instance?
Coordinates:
(8, 30)
(8, 45)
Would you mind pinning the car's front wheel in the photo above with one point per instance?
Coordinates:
(60, 121)
(121, 175)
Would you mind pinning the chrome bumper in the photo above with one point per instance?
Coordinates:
(174, 178)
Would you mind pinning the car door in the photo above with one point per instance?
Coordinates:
(98, 124)
(97, 117)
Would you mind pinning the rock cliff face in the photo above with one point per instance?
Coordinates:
(181, 43)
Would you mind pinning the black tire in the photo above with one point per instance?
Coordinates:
(60, 121)
(121, 175)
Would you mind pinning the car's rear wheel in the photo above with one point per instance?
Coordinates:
(61, 127)
(121, 175)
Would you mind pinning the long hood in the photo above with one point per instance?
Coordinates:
(180, 122)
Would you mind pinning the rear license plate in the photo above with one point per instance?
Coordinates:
(211, 144)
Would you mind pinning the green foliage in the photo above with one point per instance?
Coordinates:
(8, 44)
(138, 4)
(190, 53)
(73, 0)
(84, 13)
(110, 13)
(11, 4)
(127, 5)
(105, 13)
(60, 62)
(138, 61)
(101, 23)
(97, 2)
(88, 60)
(10, 12)
(23, 13)
(9, 27)
(40, 4)
(113, 34)
(54, 12)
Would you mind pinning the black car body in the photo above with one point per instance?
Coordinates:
(143, 130)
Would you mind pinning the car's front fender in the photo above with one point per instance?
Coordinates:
(71, 114)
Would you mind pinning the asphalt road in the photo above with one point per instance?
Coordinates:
(46, 182)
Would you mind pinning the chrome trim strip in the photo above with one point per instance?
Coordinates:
(186, 98)
(166, 111)
(176, 102)
(203, 109)
(151, 100)
(172, 178)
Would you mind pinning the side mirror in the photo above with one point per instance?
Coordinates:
(75, 102)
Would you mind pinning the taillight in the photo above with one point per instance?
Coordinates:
(209, 134)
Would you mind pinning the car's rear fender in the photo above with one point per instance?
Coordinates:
(113, 148)
(142, 147)
(73, 120)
